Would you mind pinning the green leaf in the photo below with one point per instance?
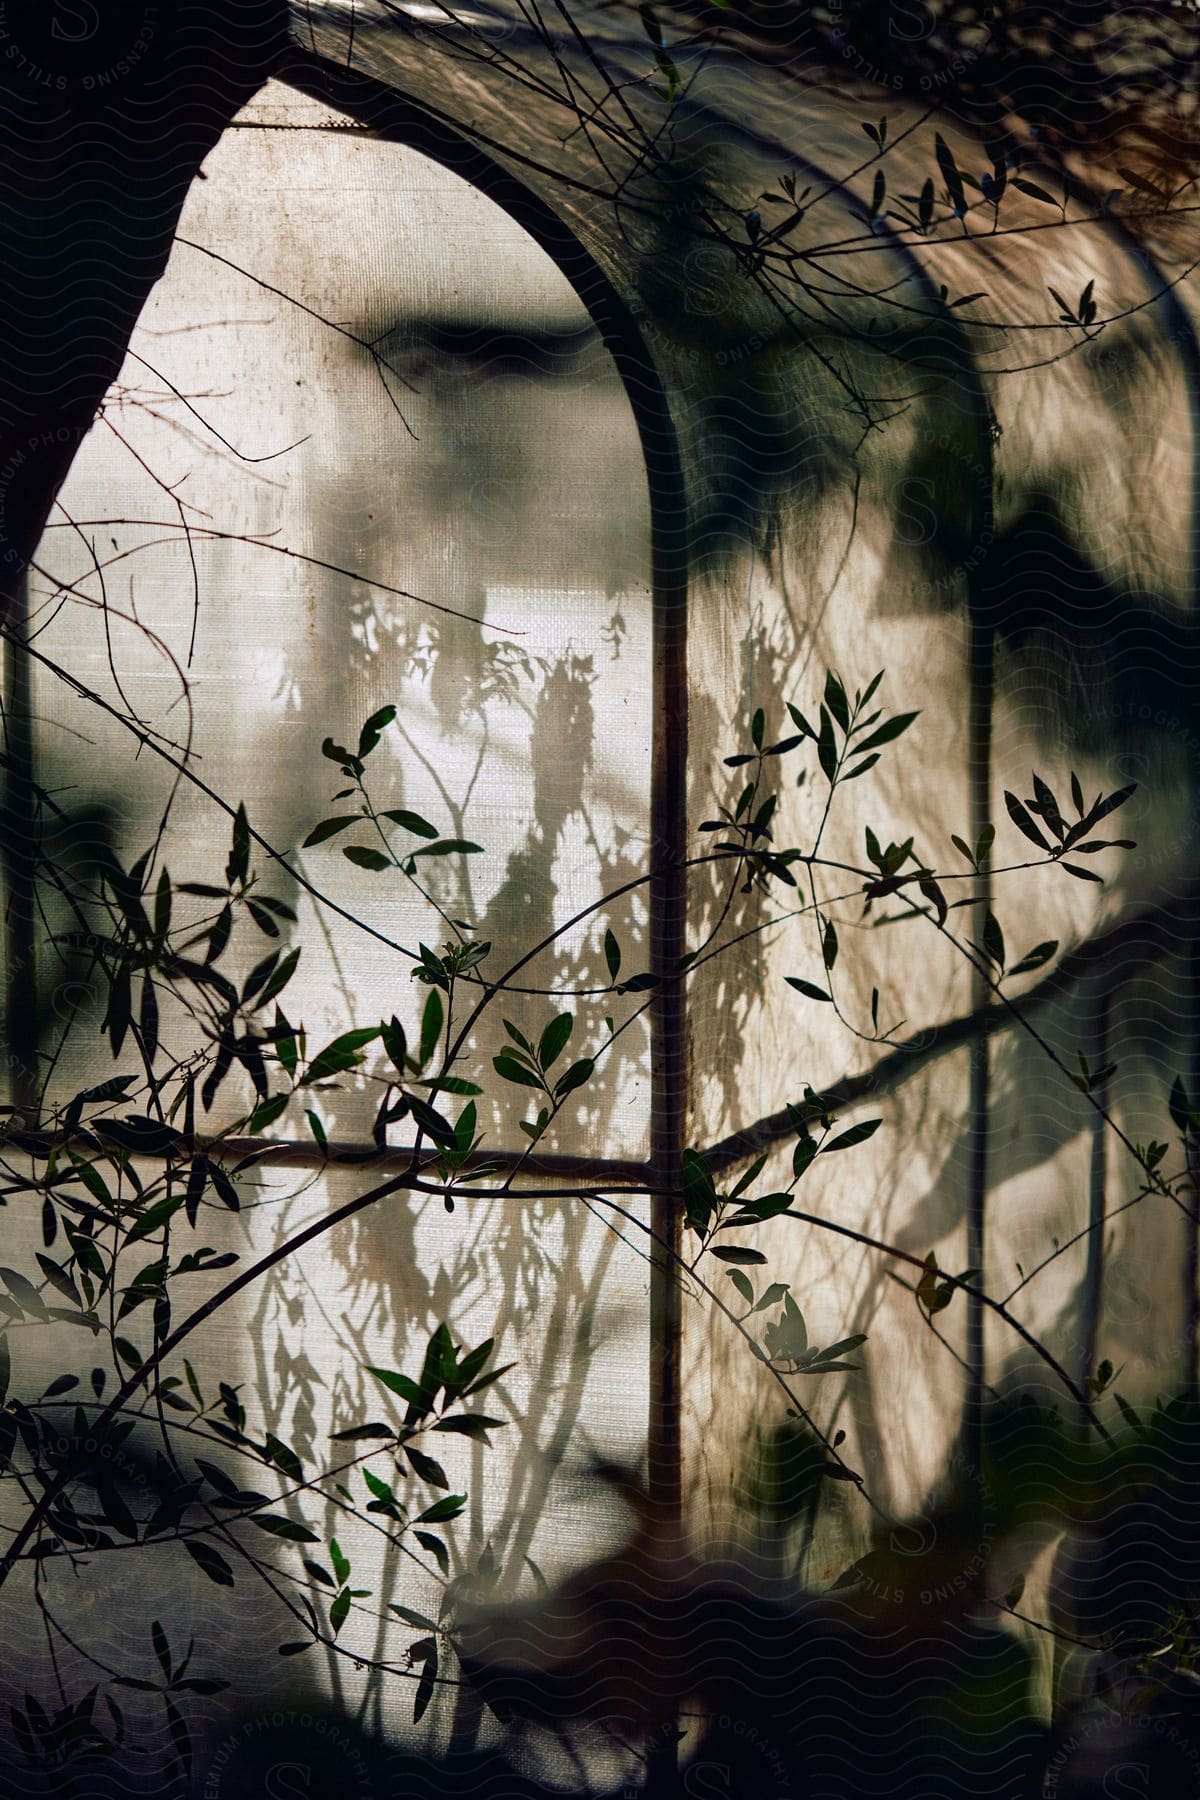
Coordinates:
(287, 1529)
(827, 754)
(518, 1037)
(436, 1548)
(553, 1040)
(238, 866)
(835, 700)
(1035, 193)
(886, 734)
(927, 1286)
(829, 944)
(476, 1360)
(365, 858)
(993, 940)
(417, 1620)
(1081, 874)
(743, 1285)
(807, 989)
(1129, 1415)
(143, 1136)
(162, 1649)
(451, 1084)
(841, 1348)
(411, 821)
(279, 907)
(936, 899)
(337, 753)
(750, 1176)
(510, 1069)
(471, 1425)
(284, 1458)
(802, 1155)
(120, 1009)
(397, 1384)
(427, 1469)
(430, 1120)
(162, 907)
(950, 173)
(259, 975)
(737, 1253)
(153, 1217)
(59, 1279)
(92, 1180)
(113, 1089)
(431, 1027)
(769, 1206)
(279, 981)
(612, 955)
(857, 1134)
(1110, 805)
(639, 984)
(1023, 822)
(450, 847)
(1046, 805)
(341, 1563)
(441, 1510)
(329, 828)
(267, 1113)
(699, 1191)
(464, 1128)
(1035, 958)
(210, 1561)
(395, 1043)
(575, 1077)
(425, 1686)
(23, 1292)
(381, 1491)
(340, 1055)
(1178, 1105)
(338, 1608)
(368, 737)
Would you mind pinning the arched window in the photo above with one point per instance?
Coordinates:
(517, 454)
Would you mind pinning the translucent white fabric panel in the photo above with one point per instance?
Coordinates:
(560, 1286)
(839, 590)
(901, 1410)
(861, 572)
(395, 382)
(563, 1295)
